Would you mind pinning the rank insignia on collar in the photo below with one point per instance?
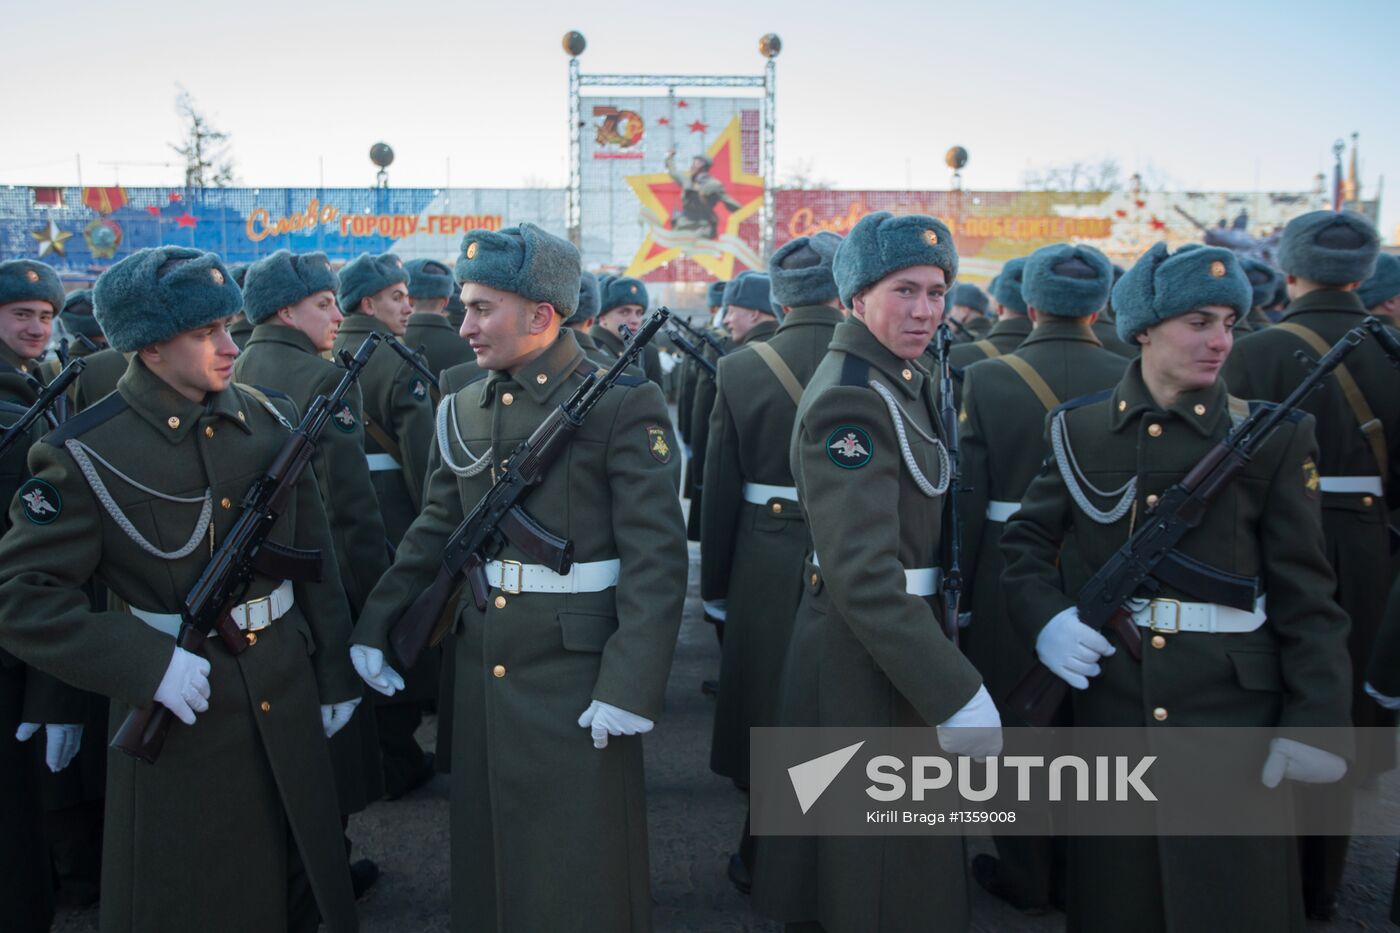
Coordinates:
(657, 445)
(344, 419)
(1311, 481)
(419, 390)
(42, 503)
(850, 447)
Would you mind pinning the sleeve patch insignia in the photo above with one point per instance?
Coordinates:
(850, 447)
(42, 503)
(418, 389)
(344, 419)
(1311, 482)
(657, 444)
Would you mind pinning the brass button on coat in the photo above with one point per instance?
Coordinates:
(209, 430)
(1159, 714)
(265, 706)
(907, 374)
(815, 578)
(541, 379)
(500, 602)
(1152, 501)
(777, 508)
(1155, 430)
(173, 422)
(499, 670)
(1199, 409)
(225, 502)
(1122, 405)
(1158, 641)
(507, 399)
(1367, 501)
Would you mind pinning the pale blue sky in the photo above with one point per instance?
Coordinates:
(1201, 95)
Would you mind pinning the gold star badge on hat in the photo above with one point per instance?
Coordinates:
(634, 289)
(471, 250)
(1217, 269)
(31, 275)
(217, 276)
(931, 238)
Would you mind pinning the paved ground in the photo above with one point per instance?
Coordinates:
(695, 819)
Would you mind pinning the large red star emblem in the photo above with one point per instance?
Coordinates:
(186, 220)
(660, 196)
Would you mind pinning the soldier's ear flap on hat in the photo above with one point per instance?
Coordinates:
(1137, 290)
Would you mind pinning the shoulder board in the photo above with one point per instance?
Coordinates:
(1255, 404)
(1083, 400)
(855, 372)
(254, 391)
(87, 419)
(632, 381)
(264, 398)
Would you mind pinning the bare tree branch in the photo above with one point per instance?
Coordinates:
(204, 150)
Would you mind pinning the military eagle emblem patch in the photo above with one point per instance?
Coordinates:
(657, 445)
(850, 447)
(1312, 483)
(419, 390)
(344, 419)
(42, 503)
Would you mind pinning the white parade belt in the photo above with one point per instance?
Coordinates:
(252, 616)
(1355, 484)
(921, 581)
(760, 493)
(378, 463)
(1171, 615)
(510, 576)
(1001, 511)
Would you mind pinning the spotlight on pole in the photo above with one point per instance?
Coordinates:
(955, 158)
(574, 43)
(382, 155)
(770, 45)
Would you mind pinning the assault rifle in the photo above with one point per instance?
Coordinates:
(245, 551)
(49, 395)
(951, 539)
(499, 517)
(695, 353)
(1149, 550)
(701, 334)
(412, 359)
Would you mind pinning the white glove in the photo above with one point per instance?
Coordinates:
(1385, 701)
(369, 664)
(334, 716)
(1299, 762)
(606, 719)
(1070, 649)
(63, 742)
(974, 730)
(719, 608)
(184, 690)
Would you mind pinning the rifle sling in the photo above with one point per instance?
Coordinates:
(780, 368)
(989, 349)
(1371, 427)
(382, 438)
(1033, 381)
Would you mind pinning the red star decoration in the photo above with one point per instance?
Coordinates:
(698, 127)
(1158, 224)
(1141, 204)
(175, 196)
(185, 220)
(1121, 213)
(153, 210)
(681, 103)
(663, 121)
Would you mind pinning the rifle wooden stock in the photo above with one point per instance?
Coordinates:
(411, 634)
(143, 731)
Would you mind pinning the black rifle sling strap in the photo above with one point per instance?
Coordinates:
(1371, 427)
(1032, 380)
(780, 369)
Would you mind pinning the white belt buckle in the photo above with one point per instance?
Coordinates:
(1162, 628)
(519, 569)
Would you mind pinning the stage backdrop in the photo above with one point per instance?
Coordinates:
(84, 230)
(676, 222)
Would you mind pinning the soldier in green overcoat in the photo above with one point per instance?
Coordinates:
(1264, 280)
(291, 302)
(967, 311)
(1281, 665)
(78, 322)
(429, 332)
(398, 430)
(1326, 256)
(536, 805)
(621, 303)
(235, 826)
(1106, 327)
(1381, 292)
(867, 648)
(241, 329)
(752, 536)
(1012, 325)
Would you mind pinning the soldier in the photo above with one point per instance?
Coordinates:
(582, 320)
(429, 331)
(29, 293)
(968, 312)
(242, 328)
(685, 407)
(701, 193)
(290, 300)
(99, 504)
(1325, 257)
(1012, 326)
(1381, 292)
(1264, 280)
(867, 648)
(753, 540)
(1217, 666)
(531, 792)
(398, 426)
(1004, 403)
(622, 302)
(685, 394)
(1106, 328)
(77, 320)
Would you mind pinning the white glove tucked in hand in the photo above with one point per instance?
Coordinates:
(605, 719)
(1384, 701)
(974, 730)
(184, 690)
(369, 664)
(334, 716)
(1070, 649)
(1299, 762)
(62, 739)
